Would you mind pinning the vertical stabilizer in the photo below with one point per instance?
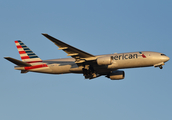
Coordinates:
(26, 54)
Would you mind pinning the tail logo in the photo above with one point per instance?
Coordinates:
(26, 54)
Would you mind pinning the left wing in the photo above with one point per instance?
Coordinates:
(79, 55)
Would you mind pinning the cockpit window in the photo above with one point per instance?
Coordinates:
(163, 55)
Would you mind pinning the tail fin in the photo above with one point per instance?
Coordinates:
(26, 54)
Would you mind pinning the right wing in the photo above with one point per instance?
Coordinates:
(79, 55)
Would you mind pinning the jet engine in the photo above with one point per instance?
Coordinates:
(104, 60)
(116, 75)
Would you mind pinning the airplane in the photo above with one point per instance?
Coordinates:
(91, 66)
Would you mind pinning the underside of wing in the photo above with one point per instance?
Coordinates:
(79, 55)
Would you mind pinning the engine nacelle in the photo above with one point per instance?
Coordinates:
(116, 75)
(104, 60)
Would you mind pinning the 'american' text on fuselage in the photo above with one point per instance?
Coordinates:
(125, 56)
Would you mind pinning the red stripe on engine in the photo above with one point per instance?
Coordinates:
(22, 52)
(35, 66)
(19, 46)
(34, 61)
(25, 57)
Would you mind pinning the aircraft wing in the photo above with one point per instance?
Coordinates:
(79, 55)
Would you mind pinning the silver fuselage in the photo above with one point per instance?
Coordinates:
(119, 61)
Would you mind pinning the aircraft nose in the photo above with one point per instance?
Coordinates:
(168, 58)
(165, 58)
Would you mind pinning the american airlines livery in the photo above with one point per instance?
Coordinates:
(91, 66)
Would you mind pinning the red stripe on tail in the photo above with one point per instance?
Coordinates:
(25, 57)
(34, 61)
(22, 52)
(19, 46)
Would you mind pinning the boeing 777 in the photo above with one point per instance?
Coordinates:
(91, 66)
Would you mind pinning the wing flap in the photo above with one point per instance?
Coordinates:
(63, 48)
(74, 54)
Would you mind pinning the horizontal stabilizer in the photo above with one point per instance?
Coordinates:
(17, 62)
(24, 71)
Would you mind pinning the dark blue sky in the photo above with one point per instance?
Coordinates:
(97, 27)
